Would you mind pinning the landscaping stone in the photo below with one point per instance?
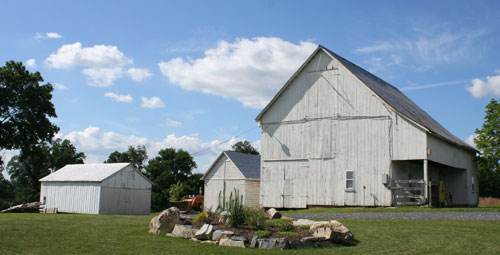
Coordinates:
(165, 221)
(287, 218)
(209, 242)
(305, 222)
(184, 231)
(254, 243)
(332, 230)
(169, 235)
(205, 232)
(231, 243)
(223, 217)
(240, 238)
(272, 243)
(220, 234)
(273, 213)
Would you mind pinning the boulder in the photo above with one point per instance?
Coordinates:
(223, 217)
(273, 214)
(231, 243)
(254, 243)
(165, 221)
(205, 232)
(240, 238)
(332, 230)
(184, 231)
(273, 243)
(305, 222)
(221, 234)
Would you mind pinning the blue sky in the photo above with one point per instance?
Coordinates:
(193, 74)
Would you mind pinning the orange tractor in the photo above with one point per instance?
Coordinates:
(189, 203)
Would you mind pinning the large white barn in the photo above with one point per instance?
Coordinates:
(336, 135)
(97, 189)
(230, 171)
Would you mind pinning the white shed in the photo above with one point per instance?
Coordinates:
(337, 135)
(97, 189)
(232, 170)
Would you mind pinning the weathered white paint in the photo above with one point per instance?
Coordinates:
(124, 191)
(327, 121)
(74, 197)
(223, 178)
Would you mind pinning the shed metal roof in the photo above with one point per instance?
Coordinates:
(247, 164)
(84, 172)
(390, 95)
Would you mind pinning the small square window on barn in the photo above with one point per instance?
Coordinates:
(349, 179)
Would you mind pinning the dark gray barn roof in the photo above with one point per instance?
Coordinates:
(248, 164)
(397, 100)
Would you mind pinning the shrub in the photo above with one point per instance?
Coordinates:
(285, 225)
(175, 191)
(263, 233)
(202, 217)
(235, 206)
(288, 233)
(256, 217)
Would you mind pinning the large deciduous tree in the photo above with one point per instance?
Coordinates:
(169, 167)
(244, 147)
(488, 142)
(135, 155)
(25, 108)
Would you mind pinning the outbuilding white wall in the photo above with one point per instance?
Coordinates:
(71, 197)
(225, 171)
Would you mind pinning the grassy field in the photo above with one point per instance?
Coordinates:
(113, 234)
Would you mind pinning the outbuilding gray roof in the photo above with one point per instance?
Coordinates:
(84, 172)
(248, 164)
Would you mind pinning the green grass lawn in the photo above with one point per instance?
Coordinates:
(489, 208)
(119, 234)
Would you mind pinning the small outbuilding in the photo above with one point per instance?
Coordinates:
(116, 188)
(230, 171)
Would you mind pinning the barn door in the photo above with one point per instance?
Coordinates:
(295, 185)
(272, 185)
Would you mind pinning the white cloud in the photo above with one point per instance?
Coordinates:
(103, 63)
(102, 77)
(48, 35)
(152, 103)
(31, 63)
(138, 74)
(60, 86)
(482, 88)
(249, 70)
(119, 98)
(173, 123)
(470, 140)
(97, 145)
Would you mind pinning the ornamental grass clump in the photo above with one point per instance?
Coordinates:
(235, 207)
(202, 217)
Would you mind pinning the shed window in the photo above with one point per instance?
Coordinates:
(349, 179)
(472, 184)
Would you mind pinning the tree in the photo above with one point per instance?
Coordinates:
(169, 167)
(488, 142)
(25, 108)
(244, 147)
(6, 193)
(31, 165)
(137, 156)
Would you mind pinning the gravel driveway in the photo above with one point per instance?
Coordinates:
(402, 215)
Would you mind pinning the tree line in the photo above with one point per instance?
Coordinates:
(25, 112)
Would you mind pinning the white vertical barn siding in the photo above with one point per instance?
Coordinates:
(409, 140)
(71, 197)
(126, 192)
(446, 153)
(324, 123)
(223, 170)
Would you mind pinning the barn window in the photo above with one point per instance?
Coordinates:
(472, 184)
(349, 179)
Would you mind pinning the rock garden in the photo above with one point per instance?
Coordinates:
(251, 227)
